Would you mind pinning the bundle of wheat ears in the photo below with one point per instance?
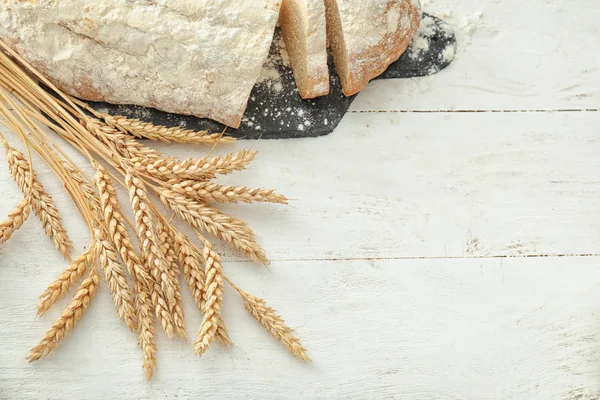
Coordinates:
(147, 292)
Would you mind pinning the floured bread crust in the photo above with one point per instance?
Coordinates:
(191, 57)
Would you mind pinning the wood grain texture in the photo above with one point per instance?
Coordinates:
(523, 55)
(427, 256)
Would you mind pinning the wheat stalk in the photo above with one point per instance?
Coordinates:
(272, 322)
(166, 238)
(147, 338)
(41, 202)
(189, 259)
(160, 133)
(163, 292)
(66, 279)
(14, 221)
(69, 318)
(213, 300)
(211, 192)
(115, 278)
(208, 219)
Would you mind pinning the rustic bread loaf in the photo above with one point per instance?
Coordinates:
(303, 30)
(367, 36)
(192, 57)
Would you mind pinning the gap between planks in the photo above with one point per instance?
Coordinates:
(559, 110)
(570, 255)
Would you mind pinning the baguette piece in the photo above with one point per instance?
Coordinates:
(191, 57)
(304, 32)
(367, 36)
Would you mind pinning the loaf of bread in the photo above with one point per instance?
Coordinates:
(366, 36)
(304, 32)
(191, 57)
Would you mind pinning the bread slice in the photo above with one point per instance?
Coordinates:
(304, 30)
(192, 57)
(366, 36)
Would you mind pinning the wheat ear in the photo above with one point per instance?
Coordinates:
(208, 219)
(210, 192)
(272, 322)
(226, 164)
(114, 220)
(189, 259)
(41, 202)
(66, 279)
(147, 338)
(143, 282)
(169, 168)
(213, 299)
(126, 146)
(69, 318)
(116, 279)
(14, 221)
(163, 292)
(160, 133)
(166, 238)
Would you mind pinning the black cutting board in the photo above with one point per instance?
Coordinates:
(276, 111)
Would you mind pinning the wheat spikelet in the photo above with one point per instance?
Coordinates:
(147, 338)
(160, 133)
(162, 291)
(213, 300)
(41, 202)
(116, 279)
(86, 188)
(169, 168)
(189, 259)
(126, 145)
(65, 280)
(273, 323)
(166, 238)
(202, 217)
(210, 192)
(228, 163)
(14, 221)
(69, 318)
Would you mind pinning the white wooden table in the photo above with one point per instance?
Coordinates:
(444, 242)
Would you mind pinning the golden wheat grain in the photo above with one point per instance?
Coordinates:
(147, 338)
(69, 318)
(66, 279)
(208, 219)
(126, 146)
(213, 289)
(176, 308)
(162, 291)
(14, 221)
(169, 168)
(115, 222)
(115, 278)
(211, 192)
(40, 201)
(189, 259)
(160, 133)
(225, 164)
(273, 323)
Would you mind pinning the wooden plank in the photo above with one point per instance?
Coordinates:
(522, 55)
(487, 329)
(409, 185)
